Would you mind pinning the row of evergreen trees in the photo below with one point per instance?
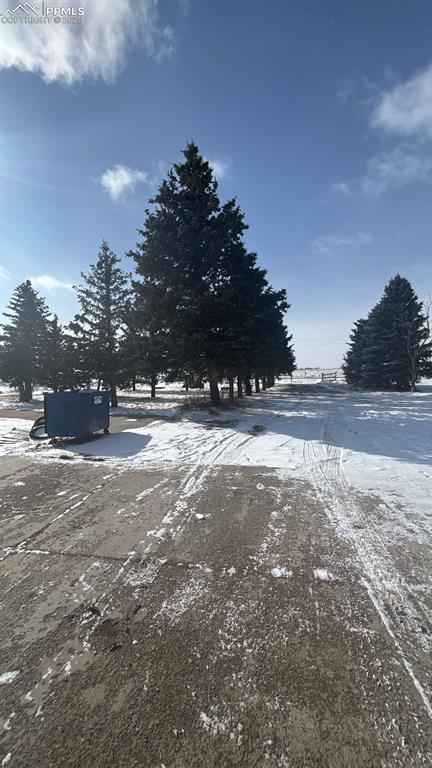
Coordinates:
(391, 348)
(197, 308)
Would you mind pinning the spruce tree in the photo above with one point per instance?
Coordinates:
(202, 308)
(238, 290)
(130, 348)
(251, 313)
(143, 350)
(75, 366)
(392, 349)
(146, 343)
(178, 260)
(24, 339)
(102, 298)
(413, 321)
(353, 360)
(396, 351)
(274, 352)
(53, 356)
(201, 295)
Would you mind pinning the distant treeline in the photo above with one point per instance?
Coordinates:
(196, 308)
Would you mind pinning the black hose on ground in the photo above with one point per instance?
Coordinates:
(37, 431)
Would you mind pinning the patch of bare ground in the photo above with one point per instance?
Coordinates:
(192, 618)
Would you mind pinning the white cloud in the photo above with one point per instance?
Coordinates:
(395, 169)
(119, 180)
(4, 273)
(329, 245)
(406, 109)
(220, 168)
(341, 188)
(49, 283)
(95, 48)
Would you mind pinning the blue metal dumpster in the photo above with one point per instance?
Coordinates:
(76, 414)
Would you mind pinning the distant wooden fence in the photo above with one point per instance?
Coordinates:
(332, 376)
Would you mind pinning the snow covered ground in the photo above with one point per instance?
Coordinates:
(382, 440)
(378, 444)
(14, 434)
(169, 400)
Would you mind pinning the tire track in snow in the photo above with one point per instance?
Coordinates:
(184, 509)
(389, 593)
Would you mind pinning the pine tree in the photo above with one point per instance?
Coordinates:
(24, 340)
(395, 335)
(75, 367)
(251, 313)
(129, 373)
(143, 348)
(414, 323)
(274, 352)
(99, 323)
(53, 356)
(238, 289)
(178, 260)
(392, 348)
(152, 343)
(201, 294)
(353, 360)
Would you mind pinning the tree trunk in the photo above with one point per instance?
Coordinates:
(27, 392)
(231, 387)
(153, 386)
(413, 381)
(248, 385)
(186, 383)
(239, 386)
(257, 384)
(270, 381)
(113, 390)
(99, 384)
(214, 388)
(264, 383)
(133, 383)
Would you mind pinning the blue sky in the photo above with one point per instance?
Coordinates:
(316, 115)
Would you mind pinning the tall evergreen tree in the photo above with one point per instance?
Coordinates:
(353, 360)
(250, 311)
(130, 348)
(102, 297)
(178, 260)
(53, 356)
(75, 366)
(200, 289)
(24, 339)
(145, 346)
(414, 323)
(392, 349)
(274, 352)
